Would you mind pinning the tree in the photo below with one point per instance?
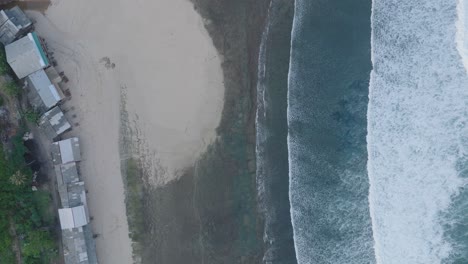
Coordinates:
(4, 68)
(11, 88)
(32, 116)
(38, 245)
(18, 178)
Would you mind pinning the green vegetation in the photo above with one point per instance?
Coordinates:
(42, 201)
(18, 178)
(4, 67)
(11, 89)
(32, 116)
(40, 247)
(134, 199)
(26, 217)
(23, 212)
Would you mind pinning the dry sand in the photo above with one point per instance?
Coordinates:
(172, 75)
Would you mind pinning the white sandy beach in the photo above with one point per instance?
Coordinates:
(171, 71)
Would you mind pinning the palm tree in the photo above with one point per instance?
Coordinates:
(18, 178)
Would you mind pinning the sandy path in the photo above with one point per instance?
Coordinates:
(165, 59)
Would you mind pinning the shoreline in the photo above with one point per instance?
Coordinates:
(210, 214)
(97, 74)
(272, 132)
(196, 203)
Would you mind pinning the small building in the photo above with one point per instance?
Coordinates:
(77, 195)
(41, 92)
(54, 123)
(79, 246)
(74, 246)
(73, 217)
(73, 194)
(26, 55)
(13, 24)
(65, 151)
(66, 174)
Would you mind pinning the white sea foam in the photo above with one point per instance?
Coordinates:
(291, 78)
(329, 226)
(417, 123)
(462, 31)
(261, 131)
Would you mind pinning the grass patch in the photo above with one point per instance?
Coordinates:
(11, 89)
(134, 199)
(32, 116)
(4, 67)
(43, 202)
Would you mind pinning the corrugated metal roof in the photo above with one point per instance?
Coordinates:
(8, 32)
(13, 23)
(66, 218)
(79, 216)
(68, 174)
(73, 217)
(26, 56)
(17, 16)
(66, 151)
(3, 17)
(77, 194)
(42, 94)
(70, 150)
(54, 123)
(75, 246)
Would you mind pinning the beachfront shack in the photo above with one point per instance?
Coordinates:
(73, 217)
(79, 246)
(26, 55)
(77, 237)
(53, 123)
(13, 24)
(66, 174)
(74, 246)
(42, 94)
(65, 151)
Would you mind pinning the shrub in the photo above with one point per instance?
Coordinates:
(32, 116)
(38, 246)
(11, 89)
(4, 67)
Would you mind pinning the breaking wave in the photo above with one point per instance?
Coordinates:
(418, 131)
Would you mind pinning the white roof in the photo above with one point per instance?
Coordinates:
(67, 148)
(25, 56)
(73, 217)
(46, 90)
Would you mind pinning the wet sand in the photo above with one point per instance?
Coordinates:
(173, 82)
(210, 215)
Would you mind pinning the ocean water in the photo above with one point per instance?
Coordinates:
(272, 130)
(373, 127)
(418, 133)
(328, 85)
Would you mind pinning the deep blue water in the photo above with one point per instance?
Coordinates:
(367, 129)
